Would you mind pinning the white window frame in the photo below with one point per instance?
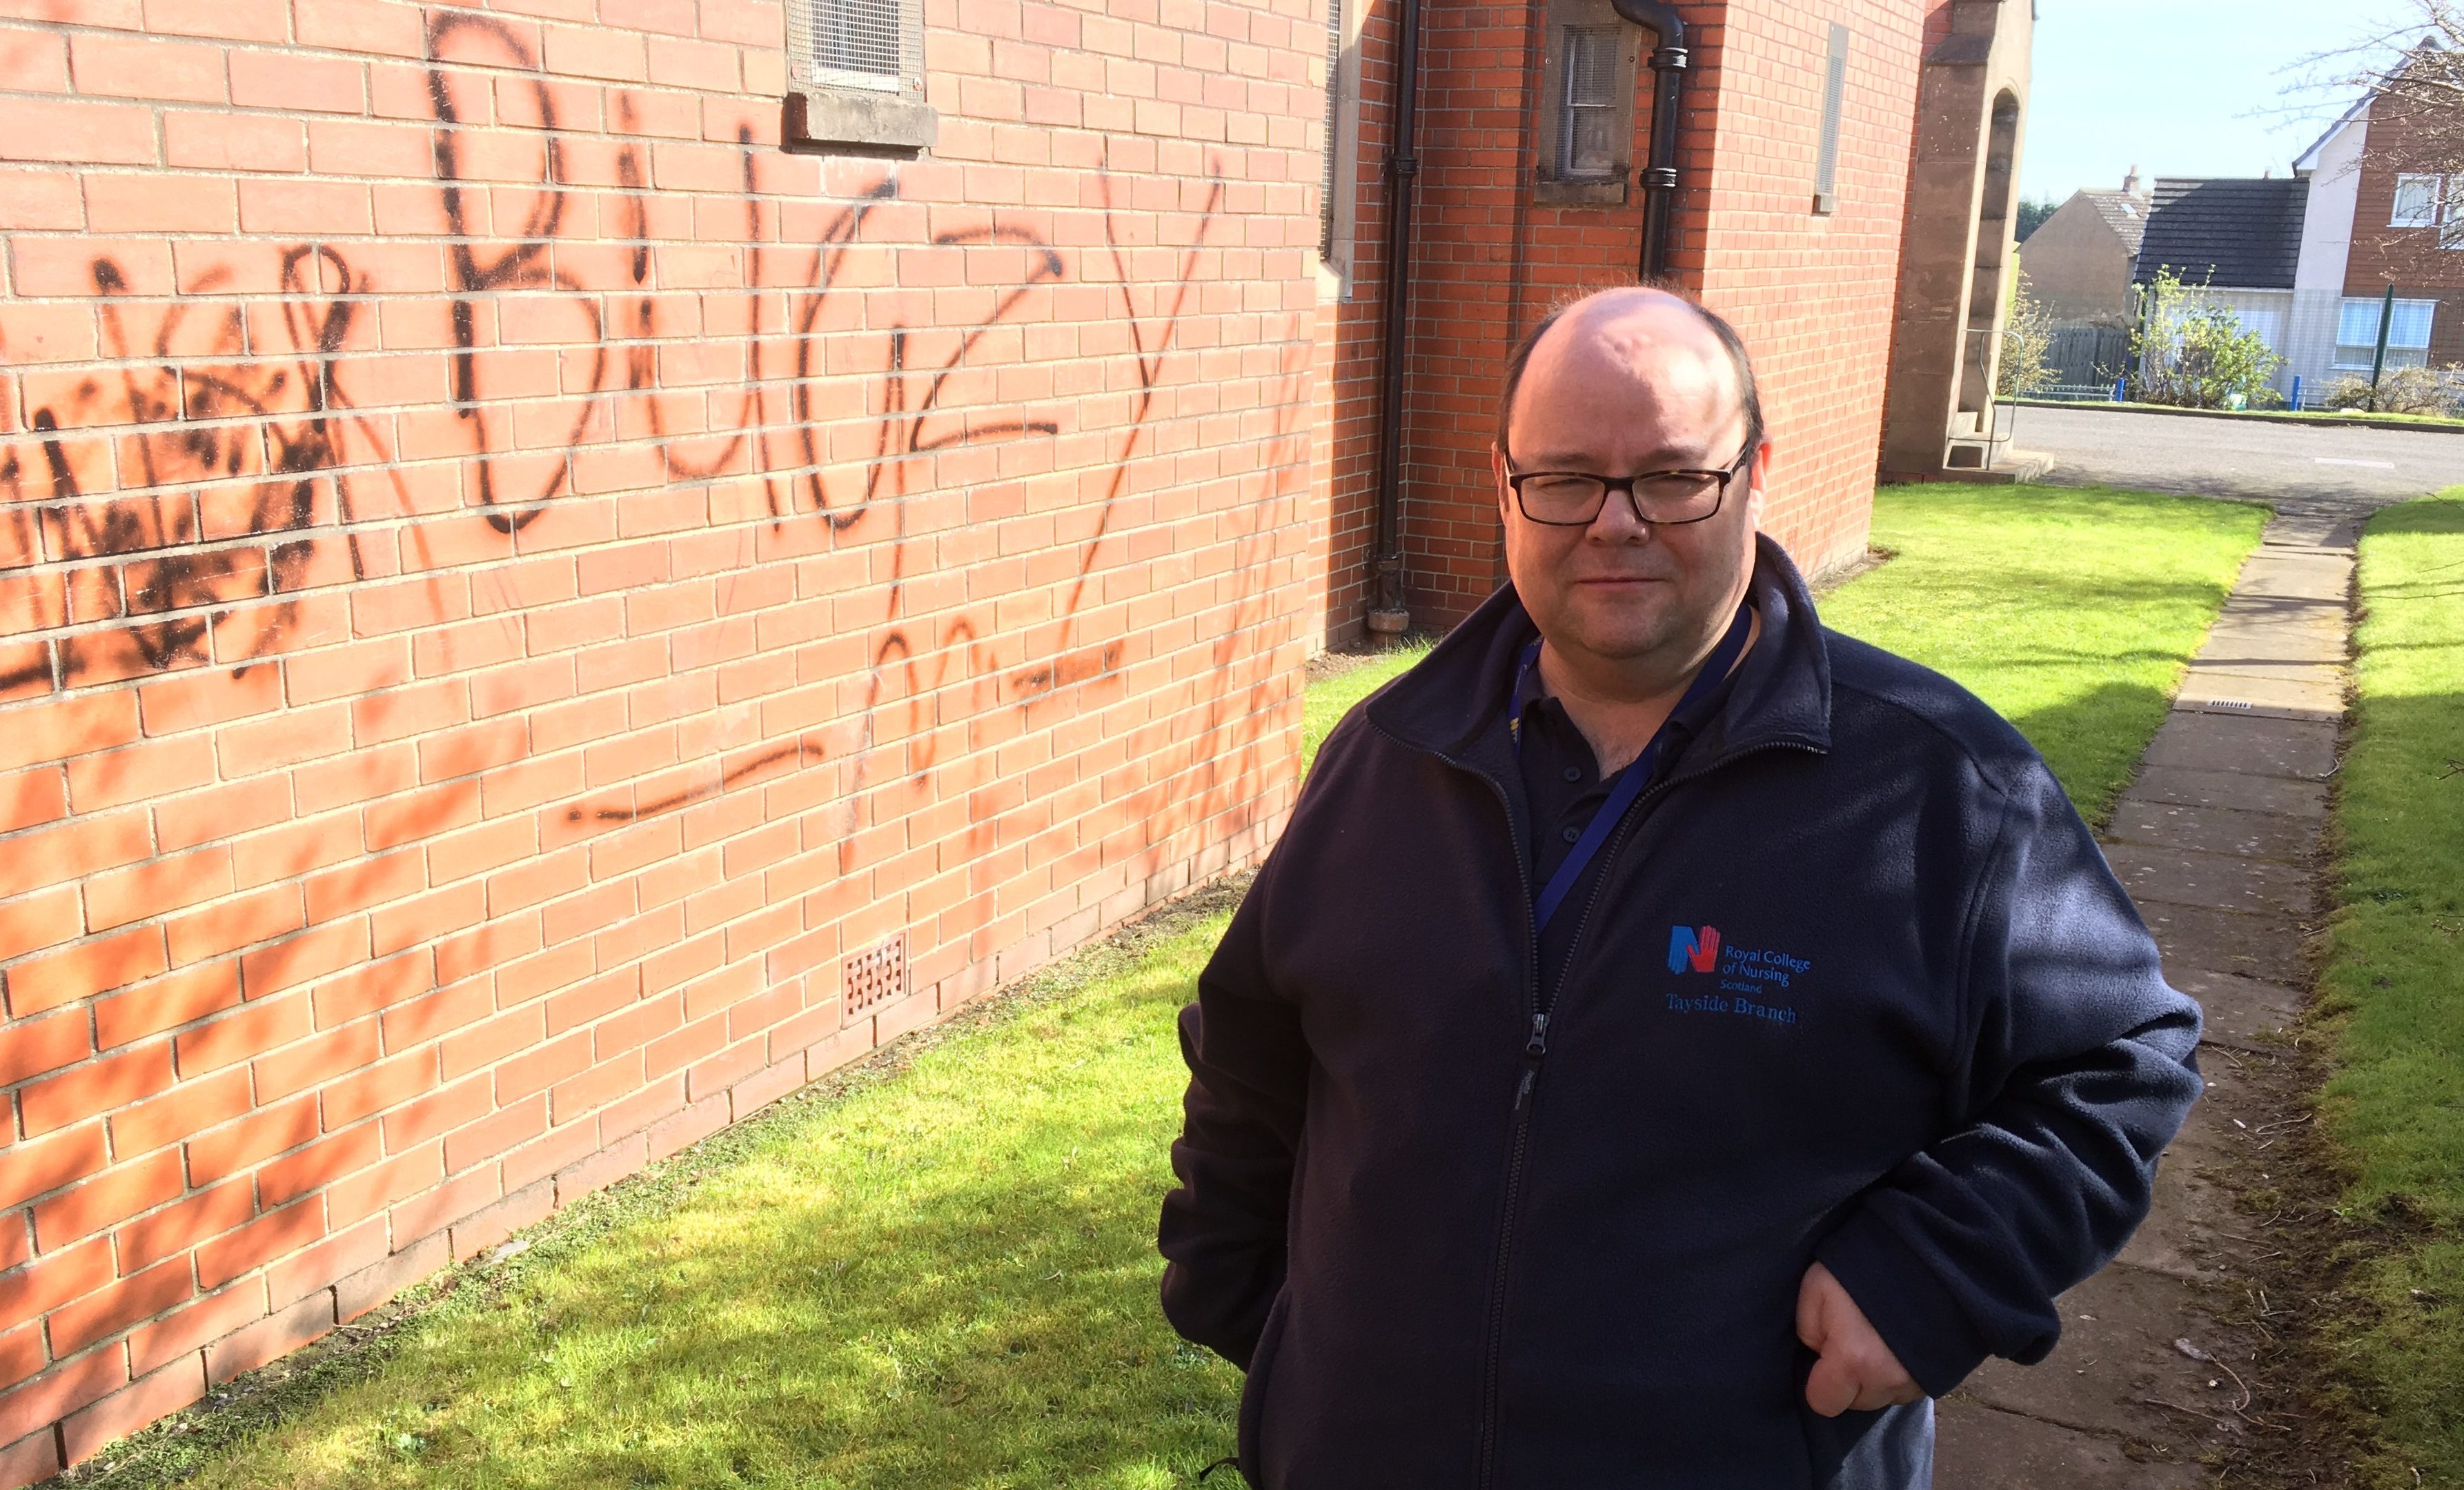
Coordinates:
(2423, 212)
(2355, 356)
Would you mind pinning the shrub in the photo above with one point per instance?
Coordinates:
(2404, 390)
(2195, 353)
(2027, 345)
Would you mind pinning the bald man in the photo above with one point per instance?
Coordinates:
(1672, 1042)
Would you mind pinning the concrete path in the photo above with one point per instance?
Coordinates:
(2215, 840)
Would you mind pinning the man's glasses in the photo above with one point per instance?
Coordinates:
(1573, 498)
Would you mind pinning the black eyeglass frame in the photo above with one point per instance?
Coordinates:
(1627, 484)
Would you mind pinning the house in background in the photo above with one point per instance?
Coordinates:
(2377, 218)
(2307, 261)
(2079, 261)
(2237, 239)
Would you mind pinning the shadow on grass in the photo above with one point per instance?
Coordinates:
(2093, 742)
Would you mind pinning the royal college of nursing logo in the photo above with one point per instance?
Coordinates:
(1749, 977)
(1696, 947)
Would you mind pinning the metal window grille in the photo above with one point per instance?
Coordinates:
(1587, 144)
(851, 43)
(1326, 174)
(1834, 94)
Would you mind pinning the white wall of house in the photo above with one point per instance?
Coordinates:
(2334, 167)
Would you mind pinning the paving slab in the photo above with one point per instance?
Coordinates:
(2257, 639)
(2239, 791)
(2199, 938)
(2188, 1211)
(2309, 574)
(1981, 1448)
(2241, 1012)
(2116, 1353)
(2215, 830)
(2297, 691)
(2301, 749)
(2221, 882)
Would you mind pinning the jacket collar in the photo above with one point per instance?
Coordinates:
(1454, 702)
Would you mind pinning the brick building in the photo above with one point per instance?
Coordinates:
(568, 566)
(1844, 172)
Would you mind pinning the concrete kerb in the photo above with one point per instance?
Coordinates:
(2247, 415)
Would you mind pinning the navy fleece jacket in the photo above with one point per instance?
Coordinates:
(1852, 983)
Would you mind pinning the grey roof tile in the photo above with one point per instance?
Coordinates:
(2239, 232)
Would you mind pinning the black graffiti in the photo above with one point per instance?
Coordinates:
(223, 410)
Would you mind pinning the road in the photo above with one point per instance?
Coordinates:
(2238, 457)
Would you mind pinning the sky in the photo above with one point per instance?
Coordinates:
(2182, 87)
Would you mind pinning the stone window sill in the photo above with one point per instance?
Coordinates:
(1579, 193)
(851, 120)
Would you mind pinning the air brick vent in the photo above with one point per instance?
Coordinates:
(873, 979)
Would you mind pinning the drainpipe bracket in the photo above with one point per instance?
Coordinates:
(1657, 177)
(1671, 60)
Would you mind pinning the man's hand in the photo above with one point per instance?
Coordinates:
(1857, 1369)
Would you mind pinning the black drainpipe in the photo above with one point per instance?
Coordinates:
(1668, 63)
(1387, 612)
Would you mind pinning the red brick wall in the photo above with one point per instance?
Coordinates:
(1812, 295)
(2411, 258)
(491, 617)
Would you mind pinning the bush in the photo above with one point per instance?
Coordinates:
(2193, 352)
(2027, 345)
(2404, 390)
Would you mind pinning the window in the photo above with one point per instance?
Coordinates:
(1339, 172)
(1587, 142)
(1333, 118)
(1587, 88)
(1835, 92)
(856, 71)
(2416, 202)
(2451, 233)
(2357, 333)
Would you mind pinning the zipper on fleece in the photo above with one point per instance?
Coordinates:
(1535, 1049)
(1536, 1046)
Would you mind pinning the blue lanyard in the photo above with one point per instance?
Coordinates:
(1638, 774)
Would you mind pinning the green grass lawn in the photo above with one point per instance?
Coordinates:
(1336, 683)
(2074, 611)
(2394, 986)
(945, 1276)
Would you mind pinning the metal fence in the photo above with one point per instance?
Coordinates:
(2326, 342)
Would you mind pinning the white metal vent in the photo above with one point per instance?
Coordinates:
(873, 979)
(854, 43)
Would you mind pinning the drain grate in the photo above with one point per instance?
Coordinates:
(871, 978)
(2228, 702)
